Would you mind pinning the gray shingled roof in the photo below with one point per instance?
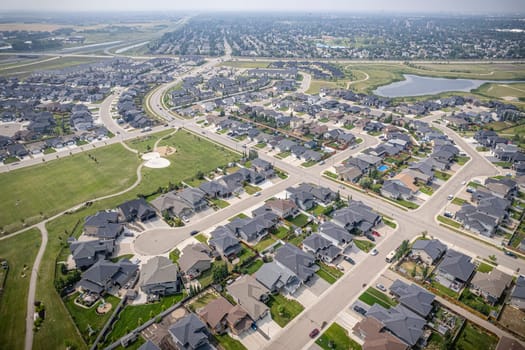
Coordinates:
(190, 331)
(159, 269)
(413, 297)
(402, 322)
(433, 247)
(297, 261)
(457, 264)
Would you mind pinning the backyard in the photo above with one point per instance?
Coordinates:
(472, 337)
(336, 338)
(513, 318)
(88, 319)
(300, 220)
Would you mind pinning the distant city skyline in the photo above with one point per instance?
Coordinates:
(378, 6)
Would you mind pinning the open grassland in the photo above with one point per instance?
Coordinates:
(317, 85)
(58, 63)
(58, 320)
(43, 190)
(20, 252)
(385, 73)
(504, 91)
(246, 64)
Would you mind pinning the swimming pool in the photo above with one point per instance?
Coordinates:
(382, 167)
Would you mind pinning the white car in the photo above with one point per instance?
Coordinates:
(374, 252)
(257, 194)
(185, 219)
(381, 287)
(340, 268)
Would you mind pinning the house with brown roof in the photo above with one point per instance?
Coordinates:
(220, 316)
(194, 260)
(251, 296)
(490, 285)
(283, 207)
(376, 337)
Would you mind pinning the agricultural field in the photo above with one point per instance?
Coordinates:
(48, 64)
(246, 64)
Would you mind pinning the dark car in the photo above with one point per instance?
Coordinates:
(349, 259)
(314, 333)
(370, 237)
(359, 310)
(509, 253)
(194, 232)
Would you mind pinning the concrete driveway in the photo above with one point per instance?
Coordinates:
(253, 340)
(305, 296)
(317, 285)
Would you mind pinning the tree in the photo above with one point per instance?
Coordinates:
(219, 272)
(413, 272)
(365, 182)
(200, 175)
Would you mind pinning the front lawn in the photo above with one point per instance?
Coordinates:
(448, 221)
(201, 238)
(175, 255)
(458, 201)
(240, 216)
(373, 296)
(89, 318)
(426, 190)
(250, 189)
(309, 163)
(330, 174)
(407, 204)
(336, 338)
(283, 310)
(462, 160)
(473, 337)
(328, 273)
(441, 175)
(219, 203)
(260, 145)
(485, 268)
(134, 315)
(300, 220)
(364, 245)
(283, 155)
(389, 223)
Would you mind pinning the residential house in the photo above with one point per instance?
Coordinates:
(189, 333)
(137, 209)
(413, 297)
(215, 189)
(183, 203)
(300, 263)
(428, 251)
(502, 188)
(397, 189)
(224, 242)
(454, 270)
(321, 194)
(283, 208)
(400, 321)
(506, 343)
(103, 224)
(251, 230)
(149, 345)
(194, 259)
(357, 217)
(104, 275)
(276, 277)
(335, 234)
(263, 167)
(219, 315)
(87, 253)
(491, 285)
(160, 276)
(376, 337)
(321, 248)
(348, 173)
(517, 297)
(251, 296)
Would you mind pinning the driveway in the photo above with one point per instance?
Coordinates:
(317, 285)
(305, 296)
(253, 340)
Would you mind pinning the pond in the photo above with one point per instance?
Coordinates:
(415, 85)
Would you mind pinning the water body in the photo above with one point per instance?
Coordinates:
(415, 85)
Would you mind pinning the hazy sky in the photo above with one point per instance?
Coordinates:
(449, 6)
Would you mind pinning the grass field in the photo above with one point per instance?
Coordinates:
(317, 85)
(85, 318)
(46, 189)
(336, 337)
(20, 252)
(58, 63)
(290, 309)
(246, 64)
(502, 90)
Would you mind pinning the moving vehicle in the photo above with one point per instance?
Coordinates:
(509, 253)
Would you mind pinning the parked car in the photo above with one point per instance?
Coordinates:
(381, 287)
(450, 196)
(257, 194)
(448, 214)
(349, 259)
(314, 333)
(194, 232)
(340, 268)
(359, 310)
(374, 252)
(185, 219)
(375, 233)
(470, 190)
(370, 237)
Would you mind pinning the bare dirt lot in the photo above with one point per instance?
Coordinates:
(514, 319)
(165, 150)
